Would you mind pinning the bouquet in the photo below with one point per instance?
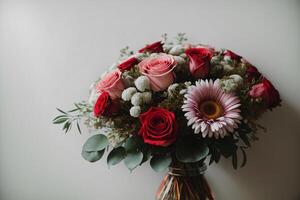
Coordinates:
(179, 105)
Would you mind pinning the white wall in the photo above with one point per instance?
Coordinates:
(50, 51)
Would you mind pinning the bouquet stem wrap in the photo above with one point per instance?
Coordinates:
(186, 182)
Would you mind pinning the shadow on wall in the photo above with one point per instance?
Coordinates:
(272, 171)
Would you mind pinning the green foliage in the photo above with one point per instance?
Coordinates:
(92, 156)
(67, 118)
(96, 143)
(125, 52)
(133, 159)
(94, 148)
(229, 146)
(160, 163)
(191, 149)
(116, 156)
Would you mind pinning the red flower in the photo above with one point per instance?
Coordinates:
(128, 64)
(267, 92)
(252, 73)
(199, 61)
(105, 105)
(155, 47)
(158, 127)
(232, 55)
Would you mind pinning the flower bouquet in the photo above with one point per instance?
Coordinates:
(179, 105)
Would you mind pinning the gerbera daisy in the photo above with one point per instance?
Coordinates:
(210, 110)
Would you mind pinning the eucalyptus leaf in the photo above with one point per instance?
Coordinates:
(95, 143)
(92, 156)
(116, 156)
(133, 159)
(132, 144)
(160, 163)
(191, 149)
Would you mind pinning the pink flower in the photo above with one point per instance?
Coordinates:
(267, 92)
(159, 70)
(199, 61)
(111, 83)
(210, 110)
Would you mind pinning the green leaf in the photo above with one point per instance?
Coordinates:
(245, 139)
(133, 143)
(234, 160)
(78, 127)
(95, 143)
(60, 120)
(191, 149)
(133, 159)
(146, 155)
(116, 156)
(59, 116)
(244, 157)
(92, 156)
(160, 163)
(67, 126)
(61, 111)
(73, 110)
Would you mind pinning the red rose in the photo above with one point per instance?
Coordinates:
(232, 55)
(199, 61)
(155, 47)
(128, 64)
(105, 105)
(252, 73)
(267, 92)
(158, 127)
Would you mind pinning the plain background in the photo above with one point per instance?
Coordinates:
(50, 52)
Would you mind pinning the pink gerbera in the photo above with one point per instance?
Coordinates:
(210, 110)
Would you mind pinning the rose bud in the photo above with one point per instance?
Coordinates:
(156, 47)
(127, 64)
(232, 55)
(267, 92)
(105, 106)
(199, 61)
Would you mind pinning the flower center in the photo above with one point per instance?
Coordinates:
(211, 109)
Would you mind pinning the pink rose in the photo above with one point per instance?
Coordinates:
(199, 61)
(111, 83)
(159, 70)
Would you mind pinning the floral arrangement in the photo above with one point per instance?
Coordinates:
(176, 104)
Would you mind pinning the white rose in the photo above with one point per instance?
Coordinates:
(128, 93)
(135, 111)
(142, 83)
